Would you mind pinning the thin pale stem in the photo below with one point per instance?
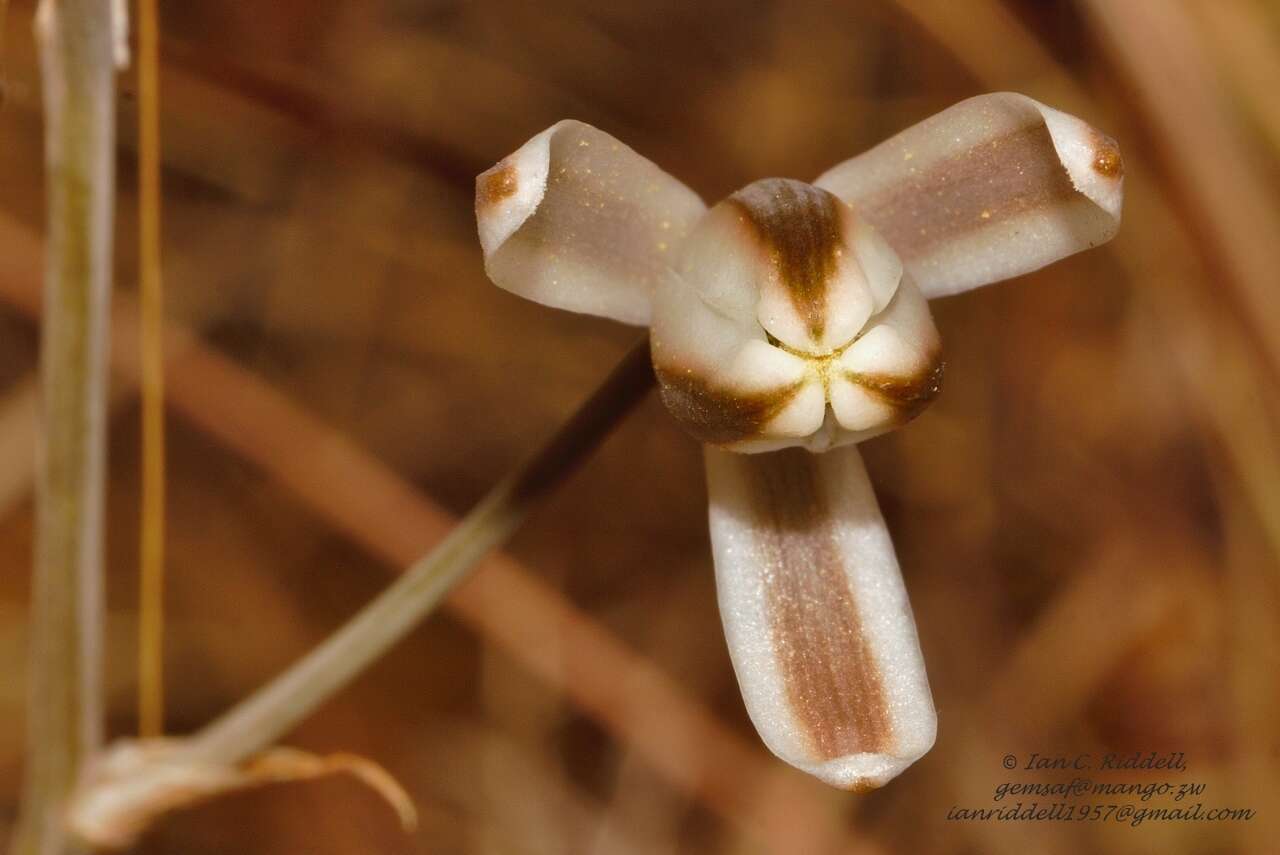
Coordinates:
(507, 605)
(65, 704)
(276, 708)
(151, 552)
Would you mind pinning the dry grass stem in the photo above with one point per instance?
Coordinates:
(1212, 164)
(65, 697)
(152, 552)
(1247, 45)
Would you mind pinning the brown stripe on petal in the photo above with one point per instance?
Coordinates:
(495, 184)
(833, 682)
(907, 394)
(799, 225)
(1002, 178)
(716, 415)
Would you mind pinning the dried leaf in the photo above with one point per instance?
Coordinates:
(135, 782)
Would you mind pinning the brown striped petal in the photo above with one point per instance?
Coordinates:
(794, 260)
(996, 186)
(816, 616)
(892, 372)
(576, 220)
(723, 381)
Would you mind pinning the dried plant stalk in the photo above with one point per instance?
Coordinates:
(151, 597)
(65, 707)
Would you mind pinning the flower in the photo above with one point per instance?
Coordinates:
(788, 323)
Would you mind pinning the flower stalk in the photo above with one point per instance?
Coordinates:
(65, 703)
(276, 708)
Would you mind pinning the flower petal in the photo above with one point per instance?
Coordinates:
(722, 381)
(816, 615)
(892, 372)
(576, 220)
(996, 186)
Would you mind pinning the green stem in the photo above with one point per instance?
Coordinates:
(273, 710)
(65, 703)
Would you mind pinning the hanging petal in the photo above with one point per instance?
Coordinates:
(996, 186)
(816, 615)
(576, 220)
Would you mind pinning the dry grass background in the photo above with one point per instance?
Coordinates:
(1088, 519)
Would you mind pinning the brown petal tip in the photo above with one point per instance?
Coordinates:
(495, 184)
(1106, 157)
(717, 415)
(908, 395)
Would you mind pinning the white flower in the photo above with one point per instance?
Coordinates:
(792, 318)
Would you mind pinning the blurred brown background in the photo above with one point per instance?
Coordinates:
(1088, 519)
